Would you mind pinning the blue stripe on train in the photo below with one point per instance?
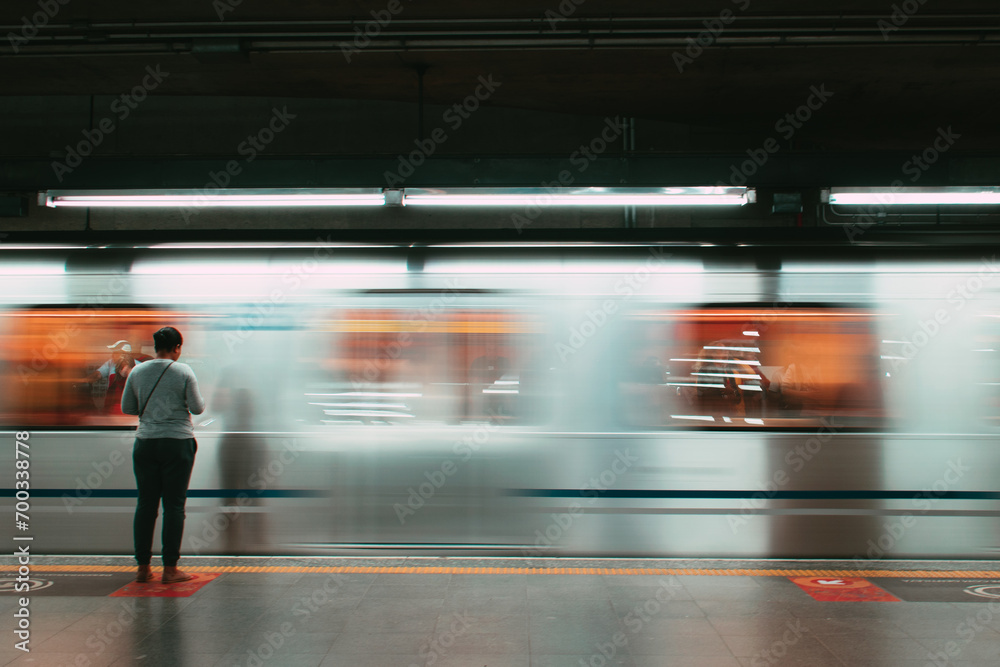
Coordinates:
(192, 493)
(558, 493)
(758, 494)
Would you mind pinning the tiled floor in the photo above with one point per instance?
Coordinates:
(502, 620)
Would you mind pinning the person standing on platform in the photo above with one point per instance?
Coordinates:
(164, 394)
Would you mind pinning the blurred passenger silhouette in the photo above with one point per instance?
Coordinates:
(728, 381)
(241, 456)
(108, 380)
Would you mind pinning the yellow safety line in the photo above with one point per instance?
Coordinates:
(351, 569)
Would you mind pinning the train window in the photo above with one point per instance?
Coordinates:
(402, 366)
(67, 366)
(754, 367)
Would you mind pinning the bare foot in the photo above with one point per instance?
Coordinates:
(171, 575)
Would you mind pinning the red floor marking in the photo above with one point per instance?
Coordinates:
(843, 589)
(154, 589)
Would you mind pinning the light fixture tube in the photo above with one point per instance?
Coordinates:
(472, 197)
(545, 197)
(214, 199)
(949, 196)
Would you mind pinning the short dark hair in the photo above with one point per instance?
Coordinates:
(166, 339)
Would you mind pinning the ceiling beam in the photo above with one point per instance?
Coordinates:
(762, 170)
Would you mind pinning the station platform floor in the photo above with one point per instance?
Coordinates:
(473, 612)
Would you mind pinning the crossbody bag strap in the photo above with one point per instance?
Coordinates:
(154, 389)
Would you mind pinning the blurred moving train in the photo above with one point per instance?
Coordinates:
(520, 400)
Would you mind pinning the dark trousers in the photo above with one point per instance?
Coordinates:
(162, 469)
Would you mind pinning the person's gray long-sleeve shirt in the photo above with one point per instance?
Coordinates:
(175, 399)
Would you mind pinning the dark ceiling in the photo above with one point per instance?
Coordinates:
(891, 88)
(842, 93)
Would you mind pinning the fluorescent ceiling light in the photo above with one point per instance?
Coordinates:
(247, 269)
(544, 197)
(215, 198)
(582, 267)
(40, 246)
(266, 245)
(957, 196)
(519, 197)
